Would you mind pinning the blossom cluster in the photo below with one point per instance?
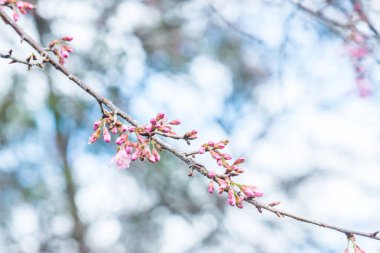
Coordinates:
(17, 7)
(60, 48)
(236, 192)
(134, 142)
(137, 143)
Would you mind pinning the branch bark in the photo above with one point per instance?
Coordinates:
(193, 165)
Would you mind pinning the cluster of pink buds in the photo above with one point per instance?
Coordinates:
(222, 159)
(138, 143)
(60, 48)
(133, 142)
(356, 248)
(236, 192)
(17, 7)
(159, 124)
(358, 50)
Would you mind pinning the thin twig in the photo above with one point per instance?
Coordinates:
(234, 27)
(16, 60)
(189, 161)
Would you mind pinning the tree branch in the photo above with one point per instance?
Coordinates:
(193, 165)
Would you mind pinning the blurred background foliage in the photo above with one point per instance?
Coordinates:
(221, 67)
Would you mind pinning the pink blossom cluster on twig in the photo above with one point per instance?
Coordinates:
(18, 7)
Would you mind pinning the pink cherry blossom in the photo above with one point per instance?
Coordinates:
(122, 160)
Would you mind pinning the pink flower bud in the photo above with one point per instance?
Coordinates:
(135, 155)
(175, 122)
(156, 155)
(128, 149)
(211, 174)
(358, 249)
(160, 116)
(165, 129)
(222, 186)
(239, 201)
(151, 158)
(251, 191)
(97, 124)
(240, 205)
(191, 135)
(219, 162)
(68, 48)
(114, 130)
(67, 38)
(64, 53)
(148, 128)
(226, 156)
(215, 155)
(201, 150)
(124, 128)
(239, 160)
(231, 197)
(120, 140)
(53, 43)
(131, 129)
(106, 135)
(220, 145)
(211, 186)
(94, 137)
(211, 144)
(153, 121)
